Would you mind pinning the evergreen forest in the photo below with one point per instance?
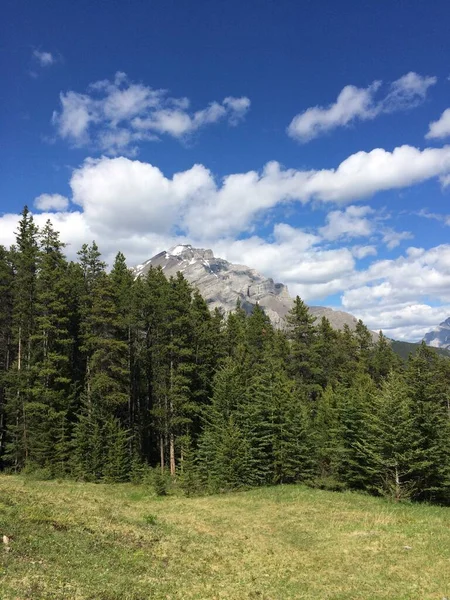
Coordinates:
(104, 376)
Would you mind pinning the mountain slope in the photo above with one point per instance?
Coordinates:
(439, 337)
(222, 283)
(404, 349)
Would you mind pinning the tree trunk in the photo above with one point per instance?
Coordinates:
(172, 454)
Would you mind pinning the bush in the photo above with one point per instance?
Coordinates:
(150, 519)
(160, 484)
(33, 471)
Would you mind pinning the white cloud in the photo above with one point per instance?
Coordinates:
(238, 108)
(47, 202)
(351, 104)
(361, 252)
(75, 117)
(135, 195)
(294, 257)
(393, 238)
(365, 173)
(355, 103)
(425, 213)
(44, 59)
(348, 223)
(130, 205)
(407, 92)
(441, 128)
(394, 295)
(114, 116)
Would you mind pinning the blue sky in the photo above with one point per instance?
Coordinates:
(305, 139)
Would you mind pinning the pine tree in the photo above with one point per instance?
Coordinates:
(122, 282)
(301, 332)
(236, 332)
(383, 360)
(107, 380)
(328, 440)
(189, 475)
(24, 257)
(208, 349)
(293, 442)
(118, 458)
(364, 343)
(326, 351)
(349, 364)
(6, 346)
(154, 365)
(259, 335)
(181, 407)
(50, 378)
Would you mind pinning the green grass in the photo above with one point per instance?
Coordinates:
(109, 542)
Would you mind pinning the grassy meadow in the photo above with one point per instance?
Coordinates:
(81, 541)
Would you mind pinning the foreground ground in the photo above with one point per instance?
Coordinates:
(118, 542)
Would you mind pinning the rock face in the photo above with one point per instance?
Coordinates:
(222, 283)
(439, 337)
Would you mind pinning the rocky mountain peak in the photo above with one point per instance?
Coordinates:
(222, 283)
(187, 252)
(439, 337)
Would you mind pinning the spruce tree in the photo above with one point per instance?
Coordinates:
(225, 457)
(352, 403)
(392, 447)
(428, 393)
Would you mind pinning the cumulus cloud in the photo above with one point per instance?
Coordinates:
(348, 223)
(47, 202)
(353, 104)
(441, 128)
(194, 197)
(115, 116)
(393, 295)
(132, 206)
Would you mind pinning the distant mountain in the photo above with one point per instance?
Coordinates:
(222, 283)
(404, 349)
(439, 337)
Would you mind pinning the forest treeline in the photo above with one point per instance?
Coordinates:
(103, 375)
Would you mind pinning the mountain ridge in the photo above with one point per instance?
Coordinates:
(222, 283)
(439, 337)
